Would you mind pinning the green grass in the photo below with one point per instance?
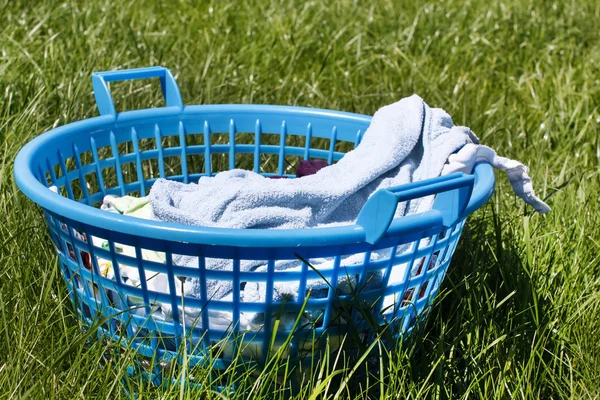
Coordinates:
(519, 316)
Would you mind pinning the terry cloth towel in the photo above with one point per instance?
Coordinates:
(407, 141)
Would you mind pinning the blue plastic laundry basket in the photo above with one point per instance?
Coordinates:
(124, 153)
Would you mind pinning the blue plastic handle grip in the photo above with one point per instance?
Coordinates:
(104, 99)
(453, 194)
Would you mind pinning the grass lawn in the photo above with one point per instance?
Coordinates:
(519, 315)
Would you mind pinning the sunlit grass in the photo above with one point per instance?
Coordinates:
(519, 313)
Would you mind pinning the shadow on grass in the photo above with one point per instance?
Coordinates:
(489, 320)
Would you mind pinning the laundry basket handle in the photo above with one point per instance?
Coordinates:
(453, 194)
(104, 99)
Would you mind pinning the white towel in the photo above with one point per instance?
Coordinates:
(407, 141)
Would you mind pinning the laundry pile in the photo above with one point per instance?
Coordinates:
(406, 142)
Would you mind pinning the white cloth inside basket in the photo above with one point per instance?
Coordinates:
(158, 282)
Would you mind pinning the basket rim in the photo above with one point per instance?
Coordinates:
(326, 236)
